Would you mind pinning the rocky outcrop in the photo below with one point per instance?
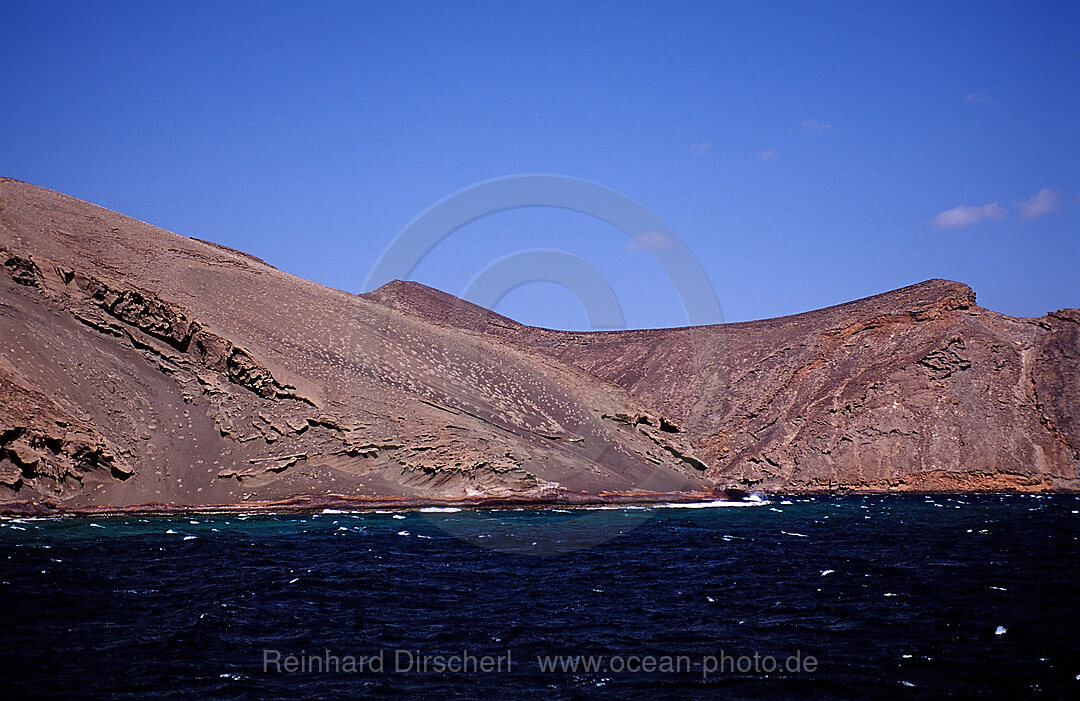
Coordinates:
(171, 324)
(23, 271)
(45, 451)
(913, 390)
(140, 367)
(1055, 377)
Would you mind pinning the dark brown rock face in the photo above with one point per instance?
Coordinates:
(138, 366)
(917, 389)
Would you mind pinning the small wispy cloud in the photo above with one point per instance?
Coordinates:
(1043, 202)
(962, 215)
(649, 241)
(769, 154)
(700, 147)
(978, 98)
(813, 126)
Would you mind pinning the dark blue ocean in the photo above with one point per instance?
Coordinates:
(839, 597)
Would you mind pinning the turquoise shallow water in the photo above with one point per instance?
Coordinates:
(895, 595)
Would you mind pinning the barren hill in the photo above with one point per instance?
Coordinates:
(141, 367)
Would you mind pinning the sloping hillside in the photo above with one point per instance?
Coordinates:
(141, 367)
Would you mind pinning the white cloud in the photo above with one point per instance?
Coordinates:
(977, 98)
(1044, 202)
(769, 154)
(813, 126)
(649, 241)
(963, 215)
(700, 147)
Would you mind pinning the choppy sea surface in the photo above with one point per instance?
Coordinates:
(832, 597)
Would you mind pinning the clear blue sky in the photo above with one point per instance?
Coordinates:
(807, 153)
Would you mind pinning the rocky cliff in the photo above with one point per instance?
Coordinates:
(140, 367)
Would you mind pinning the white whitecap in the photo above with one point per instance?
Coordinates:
(403, 533)
(440, 509)
(719, 503)
(610, 507)
(826, 572)
(189, 537)
(1000, 630)
(797, 535)
(96, 525)
(170, 531)
(399, 516)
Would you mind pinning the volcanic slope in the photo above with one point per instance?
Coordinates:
(138, 366)
(917, 389)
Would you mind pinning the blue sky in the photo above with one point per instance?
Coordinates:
(808, 154)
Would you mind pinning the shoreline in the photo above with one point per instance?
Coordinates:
(317, 504)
